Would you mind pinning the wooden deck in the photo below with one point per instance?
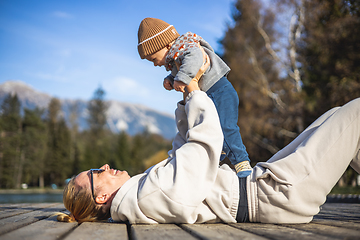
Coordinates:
(36, 221)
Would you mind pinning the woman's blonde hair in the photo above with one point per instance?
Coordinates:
(81, 205)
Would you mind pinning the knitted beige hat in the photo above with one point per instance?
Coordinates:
(153, 35)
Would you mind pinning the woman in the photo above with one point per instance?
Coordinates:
(190, 187)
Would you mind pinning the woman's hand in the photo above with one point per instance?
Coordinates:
(194, 83)
(179, 86)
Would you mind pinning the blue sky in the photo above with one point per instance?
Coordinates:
(69, 48)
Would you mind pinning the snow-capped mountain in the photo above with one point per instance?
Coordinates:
(131, 118)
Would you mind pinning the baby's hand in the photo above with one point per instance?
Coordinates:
(179, 86)
(167, 84)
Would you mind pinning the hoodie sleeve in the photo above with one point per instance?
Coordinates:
(182, 126)
(172, 191)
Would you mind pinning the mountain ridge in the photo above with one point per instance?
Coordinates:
(121, 116)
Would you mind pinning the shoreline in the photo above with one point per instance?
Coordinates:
(31, 191)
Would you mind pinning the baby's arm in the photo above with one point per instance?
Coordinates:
(167, 84)
(180, 86)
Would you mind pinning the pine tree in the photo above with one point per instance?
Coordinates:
(58, 164)
(74, 145)
(269, 109)
(122, 157)
(143, 146)
(97, 146)
(97, 113)
(331, 58)
(34, 139)
(10, 148)
(76, 166)
(331, 53)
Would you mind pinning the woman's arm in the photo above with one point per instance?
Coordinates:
(185, 181)
(180, 115)
(172, 190)
(191, 61)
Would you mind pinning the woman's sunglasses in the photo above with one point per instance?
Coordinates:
(92, 171)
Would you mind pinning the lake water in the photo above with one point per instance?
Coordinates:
(30, 197)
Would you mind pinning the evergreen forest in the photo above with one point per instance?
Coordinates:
(38, 147)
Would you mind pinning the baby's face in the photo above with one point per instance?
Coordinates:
(158, 58)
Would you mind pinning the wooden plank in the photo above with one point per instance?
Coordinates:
(99, 230)
(32, 221)
(159, 231)
(9, 212)
(326, 230)
(18, 221)
(342, 212)
(5, 210)
(341, 209)
(337, 223)
(353, 219)
(46, 229)
(7, 206)
(273, 231)
(218, 231)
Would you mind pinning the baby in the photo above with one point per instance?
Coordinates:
(160, 43)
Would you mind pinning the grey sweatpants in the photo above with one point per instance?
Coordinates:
(292, 185)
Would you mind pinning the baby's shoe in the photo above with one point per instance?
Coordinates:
(243, 169)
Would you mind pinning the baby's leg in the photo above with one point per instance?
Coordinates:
(226, 102)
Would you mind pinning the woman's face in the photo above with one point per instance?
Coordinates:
(107, 182)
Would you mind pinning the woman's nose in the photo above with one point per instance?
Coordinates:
(105, 167)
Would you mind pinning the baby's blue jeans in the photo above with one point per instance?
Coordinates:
(226, 101)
